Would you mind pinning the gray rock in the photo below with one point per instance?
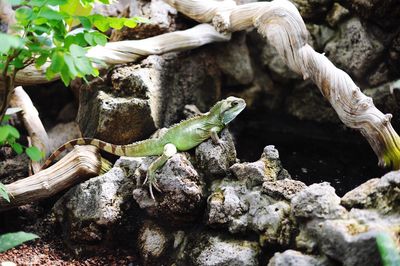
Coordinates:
(90, 211)
(320, 35)
(267, 168)
(354, 49)
(386, 98)
(148, 96)
(215, 159)
(181, 196)
(234, 59)
(348, 241)
(278, 67)
(62, 133)
(284, 189)
(381, 194)
(217, 251)
(336, 14)
(240, 209)
(312, 9)
(116, 119)
(318, 201)
(296, 258)
(153, 242)
(385, 13)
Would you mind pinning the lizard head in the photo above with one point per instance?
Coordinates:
(228, 109)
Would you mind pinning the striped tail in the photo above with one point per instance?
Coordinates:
(102, 145)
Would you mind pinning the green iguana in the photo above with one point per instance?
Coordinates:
(180, 137)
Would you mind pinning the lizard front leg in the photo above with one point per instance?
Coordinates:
(169, 151)
(215, 138)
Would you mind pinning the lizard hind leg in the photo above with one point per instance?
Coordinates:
(169, 151)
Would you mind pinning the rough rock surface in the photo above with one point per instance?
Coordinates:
(312, 9)
(148, 96)
(318, 201)
(181, 196)
(215, 250)
(153, 242)
(378, 193)
(215, 159)
(284, 189)
(296, 258)
(354, 49)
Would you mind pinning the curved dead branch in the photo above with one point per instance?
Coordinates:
(280, 22)
(32, 122)
(131, 51)
(80, 164)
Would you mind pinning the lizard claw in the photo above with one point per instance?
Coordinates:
(152, 181)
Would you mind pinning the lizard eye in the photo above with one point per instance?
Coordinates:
(233, 104)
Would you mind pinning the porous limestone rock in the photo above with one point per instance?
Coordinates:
(181, 197)
(284, 189)
(241, 209)
(209, 250)
(153, 242)
(215, 159)
(148, 96)
(318, 201)
(312, 9)
(296, 258)
(336, 14)
(381, 194)
(354, 49)
(267, 168)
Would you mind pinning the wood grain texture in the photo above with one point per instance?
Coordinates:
(80, 164)
(280, 22)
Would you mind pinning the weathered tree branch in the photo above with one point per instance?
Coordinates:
(131, 51)
(80, 164)
(280, 22)
(32, 122)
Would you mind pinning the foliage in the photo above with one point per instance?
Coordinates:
(11, 240)
(388, 250)
(9, 135)
(44, 37)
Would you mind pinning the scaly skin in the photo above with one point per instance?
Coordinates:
(180, 137)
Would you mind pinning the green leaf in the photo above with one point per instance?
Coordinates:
(89, 38)
(116, 23)
(6, 118)
(3, 192)
(77, 51)
(51, 14)
(130, 23)
(12, 131)
(34, 153)
(17, 147)
(4, 132)
(85, 22)
(10, 41)
(41, 60)
(10, 240)
(99, 38)
(69, 61)
(39, 21)
(23, 14)
(141, 20)
(83, 65)
(100, 22)
(57, 61)
(65, 75)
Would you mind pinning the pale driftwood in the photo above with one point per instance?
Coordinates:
(280, 22)
(132, 51)
(32, 122)
(80, 164)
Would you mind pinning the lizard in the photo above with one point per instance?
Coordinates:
(182, 136)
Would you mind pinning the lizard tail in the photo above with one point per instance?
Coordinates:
(102, 145)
